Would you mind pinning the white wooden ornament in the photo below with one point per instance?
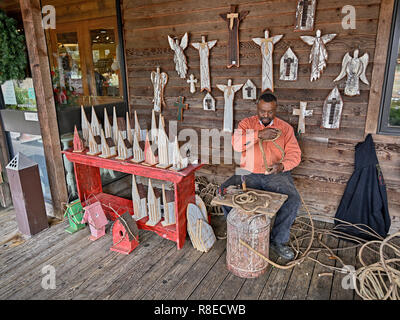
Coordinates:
(267, 48)
(302, 113)
(154, 206)
(115, 126)
(305, 15)
(163, 142)
(249, 90)
(139, 201)
(85, 127)
(178, 162)
(332, 110)
(107, 125)
(179, 57)
(319, 54)
(209, 102)
(124, 148)
(192, 81)
(229, 94)
(94, 144)
(354, 67)
(95, 124)
(159, 81)
(137, 151)
(204, 51)
(200, 232)
(108, 148)
(289, 66)
(137, 127)
(153, 134)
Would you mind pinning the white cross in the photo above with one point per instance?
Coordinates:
(302, 113)
(192, 81)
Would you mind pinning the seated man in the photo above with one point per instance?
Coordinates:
(269, 169)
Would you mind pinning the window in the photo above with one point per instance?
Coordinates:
(390, 110)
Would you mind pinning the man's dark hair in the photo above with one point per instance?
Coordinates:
(266, 97)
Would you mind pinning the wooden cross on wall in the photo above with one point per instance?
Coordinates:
(181, 106)
(302, 113)
(288, 62)
(304, 4)
(249, 91)
(305, 15)
(233, 18)
(333, 104)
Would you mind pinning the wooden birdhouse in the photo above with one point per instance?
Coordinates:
(115, 126)
(74, 213)
(124, 148)
(107, 125)
(153, 134)
(85, 125)
(125, 234)
(153, 205)
(95, 124)
(78, 143)
(168, 197)
(249, 90)
(178, 162)
(94, 215)
(139, 200)
(289, 66)
(163, 142)
(108, 148)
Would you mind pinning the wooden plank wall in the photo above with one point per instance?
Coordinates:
(328, 155)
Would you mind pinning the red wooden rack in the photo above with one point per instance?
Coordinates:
(89, 186)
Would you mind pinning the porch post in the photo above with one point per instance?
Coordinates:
(37, 51)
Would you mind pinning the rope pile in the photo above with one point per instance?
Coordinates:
(207, 191)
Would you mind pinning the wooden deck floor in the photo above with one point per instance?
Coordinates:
(154, 270)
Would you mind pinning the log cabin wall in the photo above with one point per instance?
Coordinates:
(327, 155)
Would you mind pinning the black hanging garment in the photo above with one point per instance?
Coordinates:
(365, 200)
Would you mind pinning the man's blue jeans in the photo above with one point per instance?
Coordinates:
(280, 183)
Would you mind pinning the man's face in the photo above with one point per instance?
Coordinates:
(266, 111)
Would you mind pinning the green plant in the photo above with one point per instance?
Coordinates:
(13, 59)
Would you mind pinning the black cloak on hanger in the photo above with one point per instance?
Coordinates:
(365, 200)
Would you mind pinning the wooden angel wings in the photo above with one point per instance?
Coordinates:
(318, 54)
(354, 67)
(179, 57)
(159, 81)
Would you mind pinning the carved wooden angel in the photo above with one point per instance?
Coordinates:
(159, 81)
(229, 94)
(355, 68)
(318, 54)
(267, 48)
(204, 52)
(179, 56)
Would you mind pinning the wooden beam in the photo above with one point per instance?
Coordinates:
(37, 51)
(378, 71)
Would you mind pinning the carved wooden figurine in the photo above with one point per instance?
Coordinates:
(229, 94)
(85, 125)
(159, 81)
(354, 67)
(267, 48)
(163, 143)
(192, 81)
(150, 158)
(168, 197)
(204, 51)
(108, 148)
(209, 102)
(305, 15)
(79, 145)
(302, 113)
(318, 54)
(153, 205)
(179, 56)
(289, 66)
(233, 18)
(181, 106)
(139, 200)
(249, 90)
(332, 110)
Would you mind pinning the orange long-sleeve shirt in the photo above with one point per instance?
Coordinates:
(245, 140)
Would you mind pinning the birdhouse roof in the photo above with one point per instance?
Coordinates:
(129, 224)
(20, 161)
(110, 142)
(97, 139)
(127, 143)
(96, 212)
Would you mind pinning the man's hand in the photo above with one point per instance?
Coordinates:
(276, 168)
(268, 134)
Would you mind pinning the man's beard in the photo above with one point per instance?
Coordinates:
(265, 120)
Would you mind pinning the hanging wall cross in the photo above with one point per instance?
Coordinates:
(209, 102)
(249, 90)
(288, 66)
(192, 82)
(267, 47)
(302, 113)
(305, 15)
(233, 18)
(181, 106)
(332, 110)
